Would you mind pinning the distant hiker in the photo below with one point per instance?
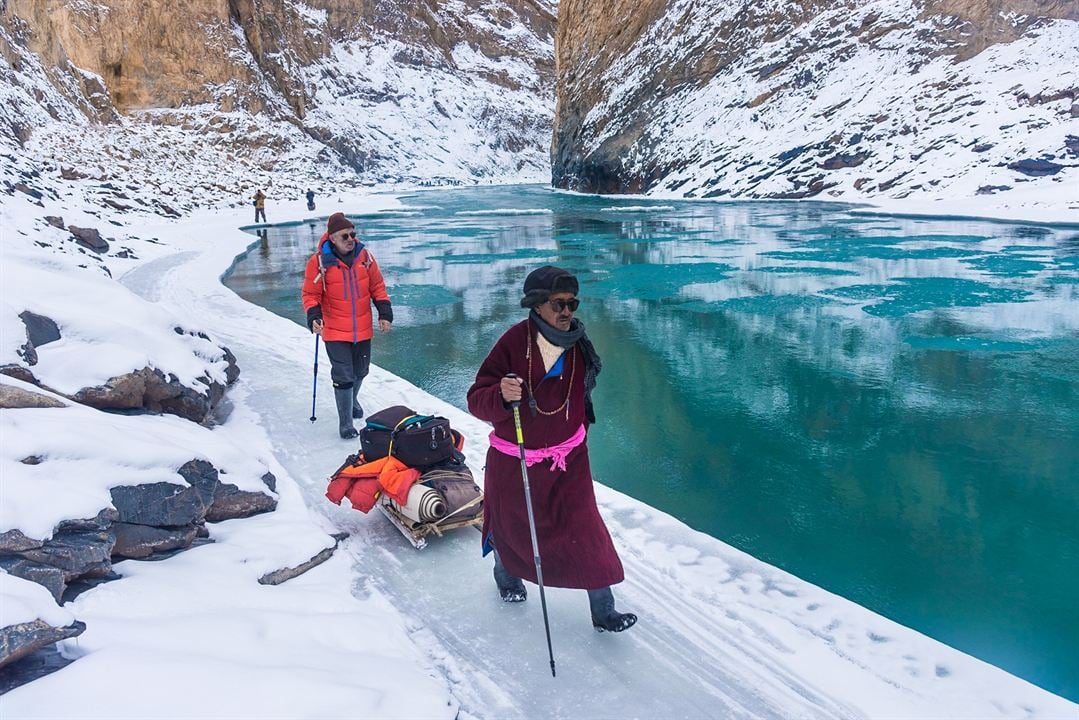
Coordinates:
(341, 281)
(556, 368)
(260, 205)
(310, 199)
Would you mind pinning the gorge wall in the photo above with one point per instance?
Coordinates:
(799, 98)
(391, 89)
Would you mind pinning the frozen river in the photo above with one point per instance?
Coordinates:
(886, 407)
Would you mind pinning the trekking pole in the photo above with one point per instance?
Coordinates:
(314, 381)
(516, 404)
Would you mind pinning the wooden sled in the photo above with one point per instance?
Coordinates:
(417, 532)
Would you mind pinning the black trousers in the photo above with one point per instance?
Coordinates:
(349, 362)
(260, 211)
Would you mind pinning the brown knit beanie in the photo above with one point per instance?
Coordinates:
(338, 222)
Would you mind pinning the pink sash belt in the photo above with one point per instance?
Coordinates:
(556, 453)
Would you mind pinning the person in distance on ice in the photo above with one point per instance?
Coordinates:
(260, 205)
(555, 368)
(341, 281)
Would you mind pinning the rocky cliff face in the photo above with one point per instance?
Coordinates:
(393, 89)
(795, 98)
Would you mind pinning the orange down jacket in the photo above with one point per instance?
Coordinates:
(344, 293)
(362, 484)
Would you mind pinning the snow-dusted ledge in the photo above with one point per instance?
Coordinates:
(385, 631)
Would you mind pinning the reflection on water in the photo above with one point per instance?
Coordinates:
(886, 407)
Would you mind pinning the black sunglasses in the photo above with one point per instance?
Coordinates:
(351, 235)
(560, 305)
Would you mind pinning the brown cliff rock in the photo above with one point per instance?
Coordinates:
(754, 100)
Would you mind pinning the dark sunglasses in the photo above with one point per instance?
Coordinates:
(351, 235)
(560, 305)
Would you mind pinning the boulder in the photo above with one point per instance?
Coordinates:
(17, 641)
(56, 222)
(1036, 168)
(26, 189)
(140, 541)
(79, 548)
(843, 160)
(41, 330)
(1071, 145)
(19, 373)
(13, 541)
(160, 504)
(77, 554)
(99, 523)
(230, 502)
(225, 500)
(89, 238)
(151, 390)
(12, 397)
(49, 577)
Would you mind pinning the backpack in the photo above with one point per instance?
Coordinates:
(416, 440)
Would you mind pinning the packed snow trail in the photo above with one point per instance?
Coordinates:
(720, 633)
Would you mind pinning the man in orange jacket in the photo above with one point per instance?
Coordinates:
(340, 283)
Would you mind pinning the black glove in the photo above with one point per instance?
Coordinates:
(385, 311)
(313, 313)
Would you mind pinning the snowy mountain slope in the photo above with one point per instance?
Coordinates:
(858, 100)
(326, 89)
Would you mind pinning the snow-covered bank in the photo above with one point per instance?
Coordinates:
(1034, 207)
(721, 634)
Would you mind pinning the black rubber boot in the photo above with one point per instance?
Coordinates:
(343, 397)
(604, 617)
(357, 411)
(512, 589)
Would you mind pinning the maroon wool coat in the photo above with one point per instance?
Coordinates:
(575, 547)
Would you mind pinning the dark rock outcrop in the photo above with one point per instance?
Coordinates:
(149, 389)
(843, 160)
(89, 238)
(160, 504)
(147, 520)
(50, 577)
(78, 548)
(77, 554)
(13, 541)
(141, 541)
(40, 330)
(17, 641)
(225, 501)
(1036, 168)
(27, 190)
(19, 373)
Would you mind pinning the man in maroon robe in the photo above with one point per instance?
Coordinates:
(548, 364)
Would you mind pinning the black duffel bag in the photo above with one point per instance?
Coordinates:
(376, 434)
(416, 440)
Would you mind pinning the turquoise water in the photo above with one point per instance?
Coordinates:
(888, 408)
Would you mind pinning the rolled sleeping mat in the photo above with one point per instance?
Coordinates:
(424, 504)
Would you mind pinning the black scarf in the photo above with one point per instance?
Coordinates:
(566, 339)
